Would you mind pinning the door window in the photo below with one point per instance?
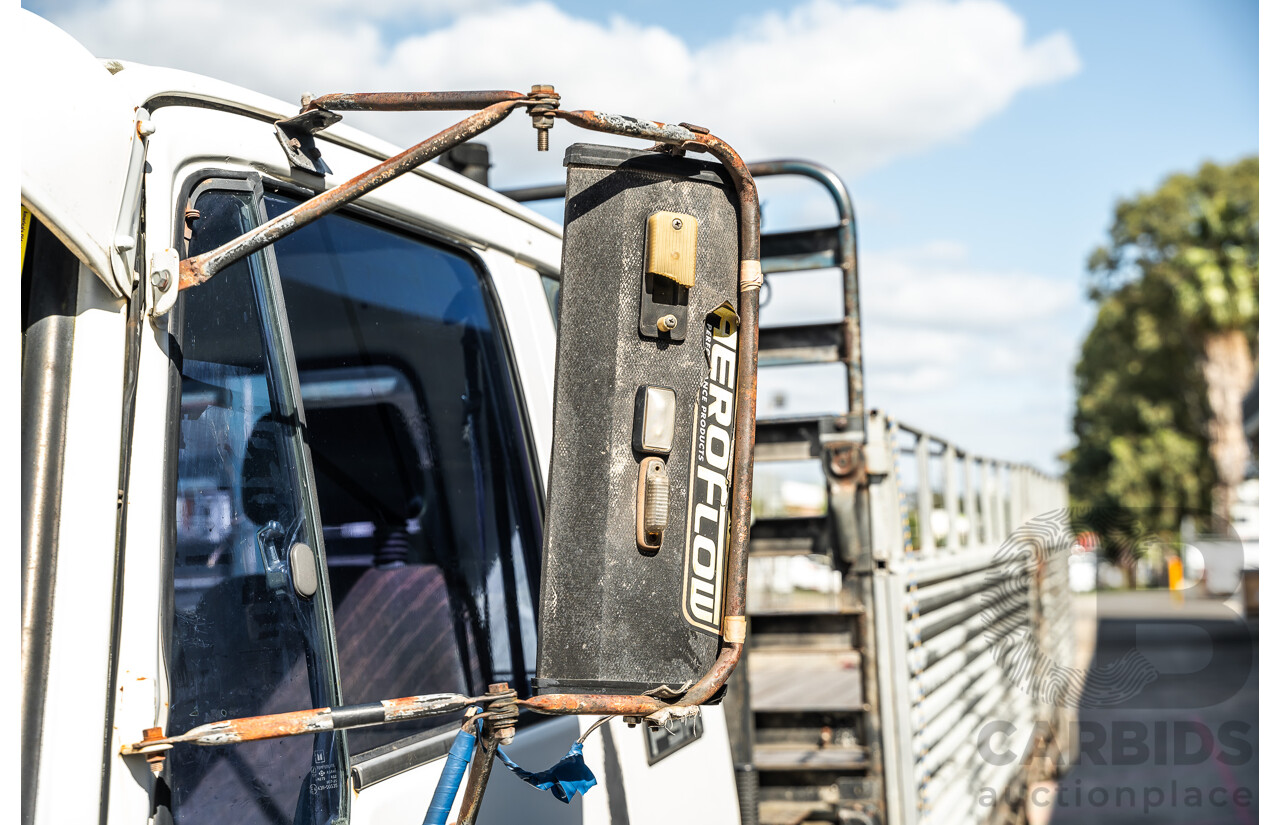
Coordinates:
(423, 476)
(243, 642)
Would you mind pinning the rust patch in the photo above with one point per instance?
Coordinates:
(565, 704)
(411, 101)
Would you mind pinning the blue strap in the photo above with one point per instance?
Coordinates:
(464, 745)
(565, 778)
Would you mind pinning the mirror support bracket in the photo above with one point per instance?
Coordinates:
(542, 103)
(297, 137)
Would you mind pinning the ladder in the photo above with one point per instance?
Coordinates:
(802, 707)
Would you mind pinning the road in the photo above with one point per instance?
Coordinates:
(1177, 741)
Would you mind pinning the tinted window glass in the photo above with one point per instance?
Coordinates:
(424, 483)
(243, 643)
(551, 286)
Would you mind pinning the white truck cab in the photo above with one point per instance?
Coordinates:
(315, 480)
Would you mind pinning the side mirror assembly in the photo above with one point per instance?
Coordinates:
(635, 578)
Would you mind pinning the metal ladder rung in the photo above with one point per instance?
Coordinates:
(801, 438)
(805, 249)
(790, 536)
(825, 343)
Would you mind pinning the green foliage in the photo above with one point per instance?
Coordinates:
(1182, 264)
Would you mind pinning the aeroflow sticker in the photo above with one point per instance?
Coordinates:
(712, 460)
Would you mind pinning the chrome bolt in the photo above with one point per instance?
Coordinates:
(676, 223)
(160, 279)
(667, 323)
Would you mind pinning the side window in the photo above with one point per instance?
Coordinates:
(423, 477)
(243, 641)
(551, 286)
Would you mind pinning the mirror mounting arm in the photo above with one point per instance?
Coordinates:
(542, 104)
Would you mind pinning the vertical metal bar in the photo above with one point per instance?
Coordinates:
(899, 517)
(970, 503)
(924, 498)
(988, 507)
(1003, 496)
(478, 779)
(899, 768)
(886, 532)
(879, 689)
(993, 492)
(1019, 483)
(898, 675)
(53, 277)
(869, 647)
(950, 496)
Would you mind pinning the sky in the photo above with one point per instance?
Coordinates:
(985, 143)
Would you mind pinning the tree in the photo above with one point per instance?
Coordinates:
(1163, 372)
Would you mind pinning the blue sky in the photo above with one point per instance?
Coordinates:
(985, 142)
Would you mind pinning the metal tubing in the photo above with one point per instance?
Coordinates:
(478, 779)
(197, 270)
(294, 723)
(870, 647)
(924, 498)
(937, 729)
(928, 571)
(936, 673)
(686, 138)
(939, 646)
(975, 676)
(970, 504)
(936, 595)
(411, 101)
(936, 752)
(951, 496)
(935, 622)
(848, 263)
(524, 194)
(898, 800)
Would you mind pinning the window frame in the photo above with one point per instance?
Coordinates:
(400, 755)
(404, 754)
(274, 315)
(418, 232)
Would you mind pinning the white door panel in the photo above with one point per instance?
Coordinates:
(533, 340)
(694, 784)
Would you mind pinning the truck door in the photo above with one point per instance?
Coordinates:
(358, 515)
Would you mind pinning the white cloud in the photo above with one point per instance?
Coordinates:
(954, 347)
(856, 85)
(980, 356)
(929, 286)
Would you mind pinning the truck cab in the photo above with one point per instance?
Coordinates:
(315, 480)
